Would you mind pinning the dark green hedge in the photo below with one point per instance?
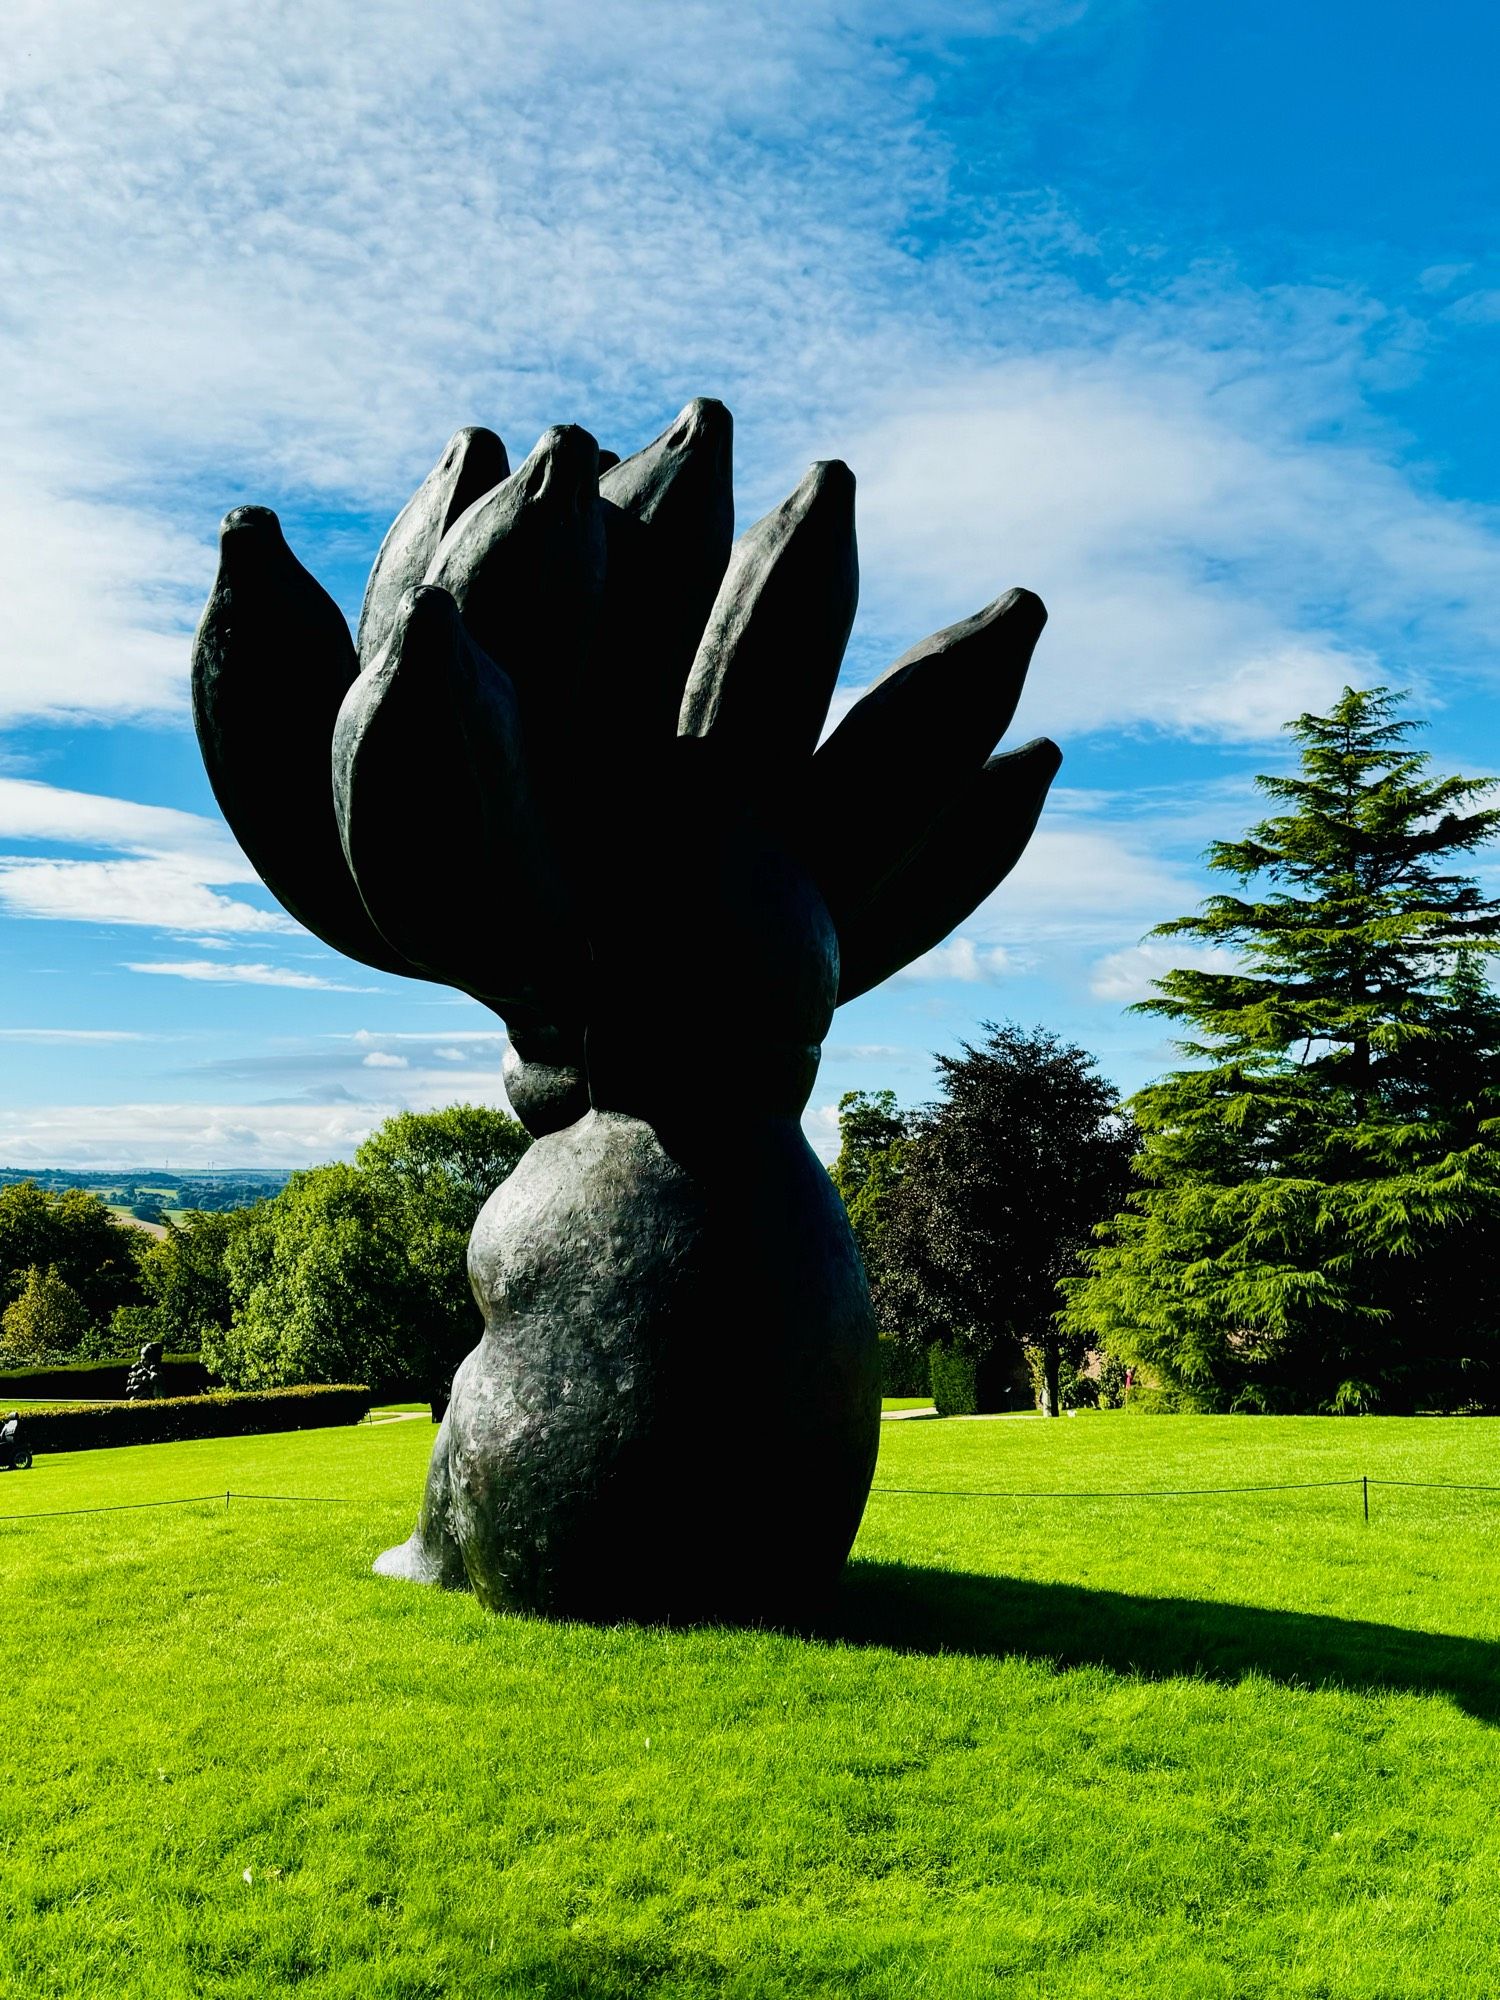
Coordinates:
(93, 1426)
(955, 1381)
(903, 1370)
(99, 1381)
(963, 1386)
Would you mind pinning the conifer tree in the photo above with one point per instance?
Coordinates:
(1319, 1220)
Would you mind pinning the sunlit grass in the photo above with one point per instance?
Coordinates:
(1232, 1746)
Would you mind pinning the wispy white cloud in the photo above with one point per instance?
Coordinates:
(31, 810)
(384, 1059)
(1210, 567)
(159, 895)
(961, 958)
(323, 1125)
(1085, 881)
(44, 1035)
(162, 877)
(453, 1035)
(1127, 975)
(820, 1122)
(313, 246)
(214, 972)
(96, 594)
(147, 1134)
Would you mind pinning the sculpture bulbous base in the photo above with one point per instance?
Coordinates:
(674, 1412)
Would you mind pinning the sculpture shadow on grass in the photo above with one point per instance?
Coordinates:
(913, 1609)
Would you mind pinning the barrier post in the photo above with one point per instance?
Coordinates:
(1365, 1482)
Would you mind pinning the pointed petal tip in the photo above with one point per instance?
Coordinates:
(259, 520)
(703, 421)
(469, 435)
(426, 604)
(1041, 759)
(1021, 605)
(830, 475)
(250, 541)
(482, 455)
(565, 456)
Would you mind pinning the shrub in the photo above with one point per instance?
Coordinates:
(99, 1381)
(903, 1369)
(955, 1381)
(45, 1320)
(91, 1427)
(969, 1385)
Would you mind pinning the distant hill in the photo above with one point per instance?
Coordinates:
(151, 1191)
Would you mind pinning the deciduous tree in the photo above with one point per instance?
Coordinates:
(73, 1233)
(45, 1321)
(872, 1144)
(1004, 1181)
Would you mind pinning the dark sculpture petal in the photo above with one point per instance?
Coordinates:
(525, 566)
(933, 717)
(473, 463)
(272, 660)
(765, 670)
(669, 520)
(437, 821)
(965, 857)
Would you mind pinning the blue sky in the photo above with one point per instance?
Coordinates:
(1186, 317)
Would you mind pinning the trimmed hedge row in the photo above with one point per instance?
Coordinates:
(90, 1427)
(966, 1386)
(903, 1370)
(99, 1381)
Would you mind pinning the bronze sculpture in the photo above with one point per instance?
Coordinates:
(572, 768)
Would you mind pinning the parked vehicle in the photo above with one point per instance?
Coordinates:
(15, 1452)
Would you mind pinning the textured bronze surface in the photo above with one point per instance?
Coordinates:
(572, 769)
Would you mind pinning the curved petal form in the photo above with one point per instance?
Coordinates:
(272, 660)
(669, 521)
(473, 463)
(765, 670)
(525, 566)
(964, 858)
(437, 821)
(933, 718)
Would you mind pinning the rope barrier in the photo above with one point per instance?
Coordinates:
(119, 1507)
(1363, 1481)
(191, 1500)
(1122, 1493)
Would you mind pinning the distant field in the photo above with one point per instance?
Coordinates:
(1241, 1746)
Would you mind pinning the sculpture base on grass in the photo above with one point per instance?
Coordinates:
(675, 1409)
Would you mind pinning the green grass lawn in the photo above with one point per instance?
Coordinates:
(1239, 1747)
(907, 1403)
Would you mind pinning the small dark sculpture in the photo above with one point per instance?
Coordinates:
(572, 769)
(144, 1381)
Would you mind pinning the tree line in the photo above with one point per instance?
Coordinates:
(1305, 1215)
(352, 1272)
